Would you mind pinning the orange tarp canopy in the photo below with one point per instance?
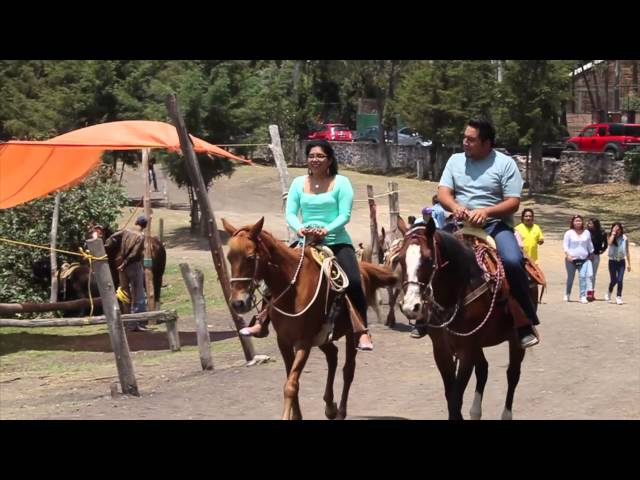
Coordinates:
(30, 170)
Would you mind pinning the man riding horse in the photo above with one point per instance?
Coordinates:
(483, 187)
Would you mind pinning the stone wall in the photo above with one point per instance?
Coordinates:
(578, 167)
(572, 167)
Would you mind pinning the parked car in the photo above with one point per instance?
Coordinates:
(406, 136)
(614, 138)
(335, 132)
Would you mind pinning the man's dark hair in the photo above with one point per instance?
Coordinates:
(486, 130)
(527, 210)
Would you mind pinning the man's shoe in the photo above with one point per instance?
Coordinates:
(529, 341)
(584, 300)
(566, 298)
(607, 297)
(619, 300)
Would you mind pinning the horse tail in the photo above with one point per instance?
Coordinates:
(158, 271)
(379, 277)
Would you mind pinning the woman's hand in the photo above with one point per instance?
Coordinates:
(303, 232)
(629, 267)
(569, 258)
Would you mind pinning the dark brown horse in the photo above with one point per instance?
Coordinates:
(298, 309)
(444, 283)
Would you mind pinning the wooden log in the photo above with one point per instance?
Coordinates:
(147, 263)
(283, 173)
(373, 223)
(215, 245)
(394, 210)
(160, 316)
(8, 308)
(161, 234)
(111, 309)
(195, 282)
(53, 239)
(172, 335)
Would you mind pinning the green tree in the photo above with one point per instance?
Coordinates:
(99, 198)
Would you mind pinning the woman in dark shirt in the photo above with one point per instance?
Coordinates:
(599, 240)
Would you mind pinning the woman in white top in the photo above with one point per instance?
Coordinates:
(578, 251)
(618, 251)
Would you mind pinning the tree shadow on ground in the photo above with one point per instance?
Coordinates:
(149, 340)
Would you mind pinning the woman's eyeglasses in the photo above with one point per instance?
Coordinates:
(319, 156)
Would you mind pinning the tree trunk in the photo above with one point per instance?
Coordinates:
(535, 175)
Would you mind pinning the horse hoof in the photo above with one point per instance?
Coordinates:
(331, 411)
(507, 414)
(475, 415)
(341, 415)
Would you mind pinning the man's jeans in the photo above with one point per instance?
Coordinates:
(513, 262)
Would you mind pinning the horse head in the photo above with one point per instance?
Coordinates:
(244, 258)
(417, 259)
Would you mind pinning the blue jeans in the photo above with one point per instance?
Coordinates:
(135, 275)
(595, 262)
(513, 262)
(616, 272)
(584, 275)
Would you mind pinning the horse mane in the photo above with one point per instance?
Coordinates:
(460, 256)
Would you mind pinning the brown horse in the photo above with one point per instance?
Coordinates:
(298, 310)
(444, 283)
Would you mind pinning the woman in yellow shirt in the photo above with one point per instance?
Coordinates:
(531, 235)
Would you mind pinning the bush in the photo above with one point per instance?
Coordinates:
(632, 166)
(99, 198)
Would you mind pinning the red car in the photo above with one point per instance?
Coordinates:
(615, 138)
(335, 132)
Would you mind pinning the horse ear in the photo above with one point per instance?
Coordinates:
(256, 229)
(402, 226)
(228, 227)
(431, 227)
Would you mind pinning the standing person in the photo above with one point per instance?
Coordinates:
(131, 269)
(483, 186)
(578, 251)
(152, 173)
(437, 212)
(599, 241)
(530, 233)
(618, 251)
(325, 200)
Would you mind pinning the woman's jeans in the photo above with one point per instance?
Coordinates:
(585, 274)
(595, 262)
(616, 272)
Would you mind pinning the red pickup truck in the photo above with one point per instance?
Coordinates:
(614, 138)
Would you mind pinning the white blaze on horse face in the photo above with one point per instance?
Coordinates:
(412, 303)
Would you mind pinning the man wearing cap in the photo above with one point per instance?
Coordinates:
(132, 253)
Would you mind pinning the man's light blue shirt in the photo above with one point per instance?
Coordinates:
(483, 183)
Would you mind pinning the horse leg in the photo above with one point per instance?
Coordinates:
(465, 369)
(376, 306)
(446, 366)
(292, 385)
(347, 373)
(516, 354)
(482, 371)
(331, 352)
(391, 316)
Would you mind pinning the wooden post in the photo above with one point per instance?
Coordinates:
(53, 239)
(114, 322)
(206, 209)
(195, 282)
(394, 209)
(161, 232)
(148, 261)
(373, 223)
(278, 155)
(419, 168)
